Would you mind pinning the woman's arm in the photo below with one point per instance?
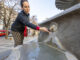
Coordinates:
(44, 29)
(27, 23)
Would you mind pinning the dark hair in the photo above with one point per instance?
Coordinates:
(21, 3)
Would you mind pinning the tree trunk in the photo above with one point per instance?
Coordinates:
(6, 37)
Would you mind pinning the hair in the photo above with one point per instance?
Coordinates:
(21, 3)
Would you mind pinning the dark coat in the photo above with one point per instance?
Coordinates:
(21, 21)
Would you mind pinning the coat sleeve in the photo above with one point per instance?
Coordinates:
(24, 21)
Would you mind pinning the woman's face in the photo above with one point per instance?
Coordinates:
(26, 7)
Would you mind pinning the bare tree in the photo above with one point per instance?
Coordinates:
(8, 12)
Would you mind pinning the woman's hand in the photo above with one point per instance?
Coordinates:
(44, 29)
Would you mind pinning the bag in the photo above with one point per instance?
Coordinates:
(25, 31)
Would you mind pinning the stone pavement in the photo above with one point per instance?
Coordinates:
(10, 43)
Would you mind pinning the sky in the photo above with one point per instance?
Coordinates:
(43, 9)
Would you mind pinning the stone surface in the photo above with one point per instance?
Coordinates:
(33, 51)
(67, 36)
(30, 50)
(65, 4)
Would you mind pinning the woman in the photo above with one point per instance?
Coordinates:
(21, 21)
